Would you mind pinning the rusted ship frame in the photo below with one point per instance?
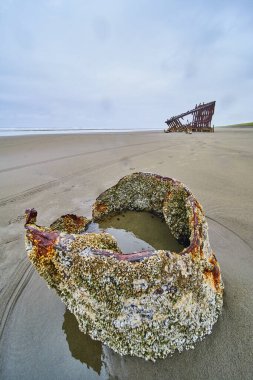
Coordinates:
(201, 120)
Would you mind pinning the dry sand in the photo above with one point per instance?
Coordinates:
(64, 174)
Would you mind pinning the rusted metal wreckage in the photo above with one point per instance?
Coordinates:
(148, 303)
(201, 120)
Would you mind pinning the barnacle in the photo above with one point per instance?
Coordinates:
(148, 303)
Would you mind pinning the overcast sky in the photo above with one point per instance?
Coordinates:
(123, 64)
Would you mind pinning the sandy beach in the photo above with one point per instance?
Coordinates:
(61, 174)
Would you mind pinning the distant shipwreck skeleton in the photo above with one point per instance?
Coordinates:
(201, 120)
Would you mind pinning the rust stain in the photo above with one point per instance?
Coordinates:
(101, 207)
(30, 216)
(42, 240)
(130, 257)
(214, 275)
(70, 223)
(77, 219)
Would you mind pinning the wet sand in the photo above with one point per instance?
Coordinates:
(60, 174)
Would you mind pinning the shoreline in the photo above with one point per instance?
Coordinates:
(53, 132)
(74, 132)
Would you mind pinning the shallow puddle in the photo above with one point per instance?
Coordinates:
(138, 231)
(82, 346)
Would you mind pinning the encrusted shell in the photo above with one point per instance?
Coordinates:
(147, 304)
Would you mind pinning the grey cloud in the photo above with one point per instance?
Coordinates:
(125, 63)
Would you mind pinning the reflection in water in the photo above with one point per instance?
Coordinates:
(137, 231)
(81, 346)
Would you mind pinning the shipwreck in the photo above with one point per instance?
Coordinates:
(149, 303)
(199, 120)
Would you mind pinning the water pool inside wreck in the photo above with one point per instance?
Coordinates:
(138, 231)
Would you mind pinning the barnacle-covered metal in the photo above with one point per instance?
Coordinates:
(70, 223)
(147, 304)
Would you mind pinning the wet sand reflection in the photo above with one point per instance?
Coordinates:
(81, 346)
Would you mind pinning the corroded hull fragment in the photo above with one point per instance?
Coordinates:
(147, 304)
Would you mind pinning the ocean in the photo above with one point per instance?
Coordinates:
(45, 131)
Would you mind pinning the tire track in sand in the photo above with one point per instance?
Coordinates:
(50, 184)
(10, 297)
(230, 230)
(71, 156)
